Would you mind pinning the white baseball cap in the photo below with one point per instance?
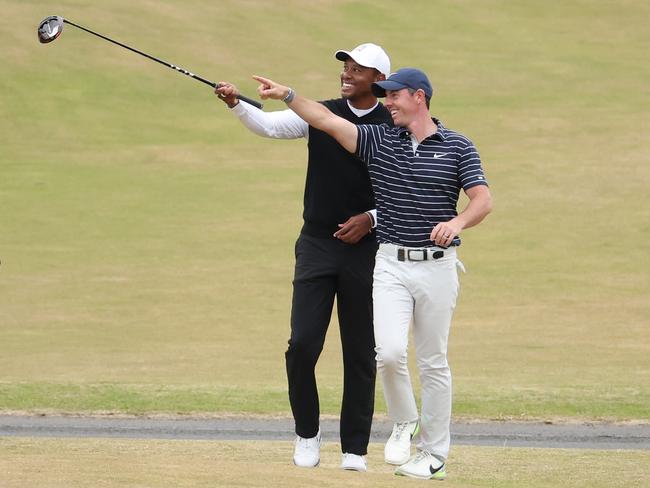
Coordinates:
(368, 55)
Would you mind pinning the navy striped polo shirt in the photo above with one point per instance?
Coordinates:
(414, 191)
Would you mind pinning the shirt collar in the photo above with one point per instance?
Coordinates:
(440, 134)
(361, 112)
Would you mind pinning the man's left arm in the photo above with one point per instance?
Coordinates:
(480, 204)
(314, 113)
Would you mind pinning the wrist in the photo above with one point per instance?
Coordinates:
(289, 97)
(372, 219)
(459, 222)
(457, 225)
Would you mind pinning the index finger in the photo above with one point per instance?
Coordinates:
(261, 79)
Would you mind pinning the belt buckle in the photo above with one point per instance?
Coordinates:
(424, 255)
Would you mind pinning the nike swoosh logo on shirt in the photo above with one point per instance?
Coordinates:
(438, 155)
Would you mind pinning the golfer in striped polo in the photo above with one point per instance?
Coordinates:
(417, 169)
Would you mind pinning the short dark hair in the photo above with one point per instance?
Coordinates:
(426, 98)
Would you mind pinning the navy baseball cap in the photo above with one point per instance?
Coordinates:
(403, 78)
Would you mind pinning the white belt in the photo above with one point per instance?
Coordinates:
(416, 253)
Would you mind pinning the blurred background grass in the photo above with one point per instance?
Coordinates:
(146, 238)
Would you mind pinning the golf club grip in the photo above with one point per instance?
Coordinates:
(243, 98)
(250, 101)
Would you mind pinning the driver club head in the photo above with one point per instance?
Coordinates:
(50, 28)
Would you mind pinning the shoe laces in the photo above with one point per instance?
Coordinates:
(421, 455)
(424, 454)
(348, 455)
(307, 443)
(400, 427)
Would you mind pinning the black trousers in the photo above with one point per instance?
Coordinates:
(326, 268)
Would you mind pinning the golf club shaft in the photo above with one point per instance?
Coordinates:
(164, 63)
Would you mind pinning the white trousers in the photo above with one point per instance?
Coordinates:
(422, 293)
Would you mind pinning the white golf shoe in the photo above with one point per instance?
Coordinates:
(423, 466)
(306, 453)
(353, 462)
(398, 447)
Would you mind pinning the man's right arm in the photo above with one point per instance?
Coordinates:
(314, 113)
(282, 124)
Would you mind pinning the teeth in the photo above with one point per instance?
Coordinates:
(346, 85)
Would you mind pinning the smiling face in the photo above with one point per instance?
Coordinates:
(356, 81)
(403, 105)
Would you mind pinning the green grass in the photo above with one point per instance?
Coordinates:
(605, 404)
(146, 239)
(140, 399)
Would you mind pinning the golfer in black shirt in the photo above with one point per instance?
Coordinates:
(335, 255)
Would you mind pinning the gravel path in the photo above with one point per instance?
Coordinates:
(508, 434)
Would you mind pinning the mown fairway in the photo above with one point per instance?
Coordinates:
(146, 238)
(113, 463)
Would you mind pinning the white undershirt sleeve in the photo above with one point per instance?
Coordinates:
(282, 124)
(374, 217)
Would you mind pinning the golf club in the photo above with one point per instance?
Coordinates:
(52, 27)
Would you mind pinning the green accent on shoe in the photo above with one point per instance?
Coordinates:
(416, 431)
(440, 473)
